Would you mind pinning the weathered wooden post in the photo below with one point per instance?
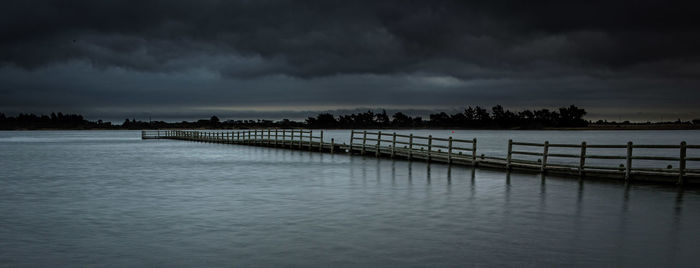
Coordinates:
(410, 146)
(379, 142)
(473, 152)
(284, 136)
(320, 142)
(364, 142)
(238, 136)
(276, 137)
(311, 132)
(628, 168)
(545, 155)
(393, 145)
(681, 164)
(449, 151)
(352, 136)
(430, 146)
(268, 137)
(332, 145)
(301, 136)
(582, 162)
(509, 155)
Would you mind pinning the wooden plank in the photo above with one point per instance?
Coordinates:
(560, 145)
(545, 150)
(681, 163)
(608, 146)
(604, 156)
(465, 141)
(410, 146)
(379, 141)
(430, 144)
(526, 153)
(655, 158)
(657, 146)
(510, 154)
(565, 155)
(628, 168)
(474, 152)
(364, 142)
(393, 145)
(526, 144)
(582, 159)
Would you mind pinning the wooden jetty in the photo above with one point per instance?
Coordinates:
(453, 151)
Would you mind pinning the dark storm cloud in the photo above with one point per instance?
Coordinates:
(131, 55)
(321, 38)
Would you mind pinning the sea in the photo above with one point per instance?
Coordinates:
(110, 199)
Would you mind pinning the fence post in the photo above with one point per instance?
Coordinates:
(449, 151)
(332, 145)
(268, 137)
(681, 165)
(352, 135)
(473, 152)
(545, 154)
(379, 140)
(410, 146)
(276, 130)
(291, 138)
(508, 156)
(582, 162)
(430, 145)
(311, 132)
(320, 143)
(364, 142)
(393, 145)
(301, 137)
(628, 168)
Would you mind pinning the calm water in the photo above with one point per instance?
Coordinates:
(107, 198)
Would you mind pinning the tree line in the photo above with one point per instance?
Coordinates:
(471, 117)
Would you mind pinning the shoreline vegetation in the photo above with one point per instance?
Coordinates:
(565, 118)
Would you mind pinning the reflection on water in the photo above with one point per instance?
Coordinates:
(127, 202)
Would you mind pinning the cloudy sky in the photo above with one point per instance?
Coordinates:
(175, 60)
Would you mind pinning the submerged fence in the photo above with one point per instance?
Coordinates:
(520, 155)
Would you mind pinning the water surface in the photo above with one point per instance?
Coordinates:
(107, 198)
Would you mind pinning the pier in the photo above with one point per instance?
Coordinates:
(520, 156)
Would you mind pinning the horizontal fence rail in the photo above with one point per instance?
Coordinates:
(575, 159)
(542, 150)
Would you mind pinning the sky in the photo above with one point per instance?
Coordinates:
(178, 60)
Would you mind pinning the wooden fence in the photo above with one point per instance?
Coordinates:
(627, 169)
(287, 138)
(447, 150)
(464, 151)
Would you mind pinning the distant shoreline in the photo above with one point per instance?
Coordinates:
(590, 127)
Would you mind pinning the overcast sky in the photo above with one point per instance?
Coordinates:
(175, 60)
